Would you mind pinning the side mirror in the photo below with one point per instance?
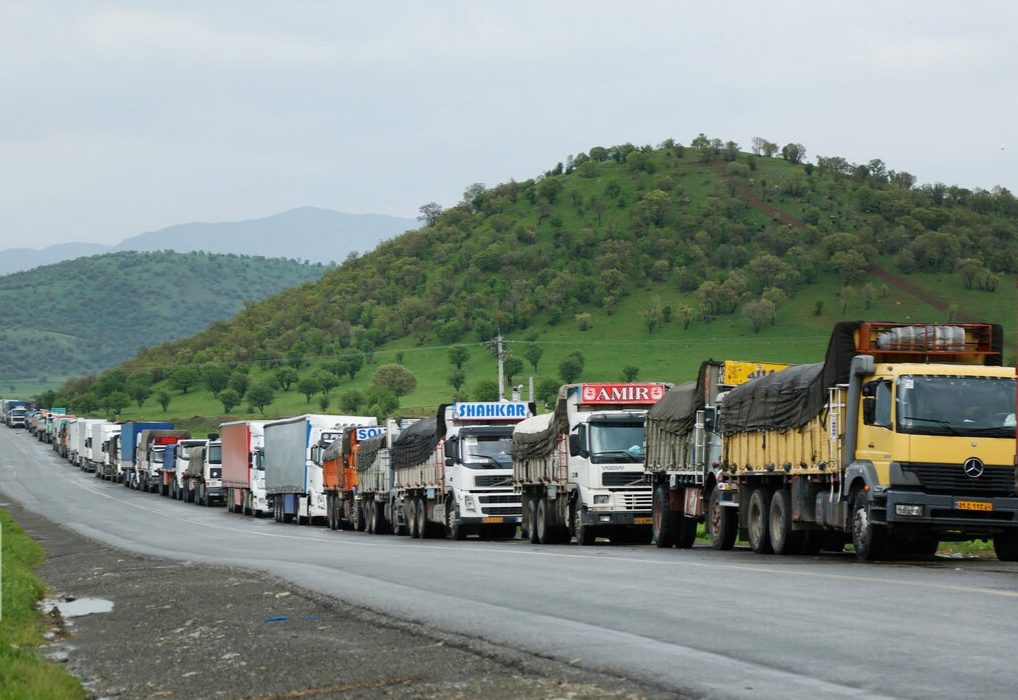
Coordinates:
(574, 444)
(449, 461)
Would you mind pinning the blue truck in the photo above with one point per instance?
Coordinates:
(130, 433)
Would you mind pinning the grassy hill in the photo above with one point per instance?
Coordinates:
(646, 258)
(87, 314)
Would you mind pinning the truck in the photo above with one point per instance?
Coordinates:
(9, 405)
(682, 459)
(130, 433)
(293, 475)
(204, 475)
(902, 438)
(376, 497)
(244, 467)
(95, 431)
(579, 469)
(175, 464)
(151, 454)
(454, 473)
(17, 417)
(108, 463)
(339, 477)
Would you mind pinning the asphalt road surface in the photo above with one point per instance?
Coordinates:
(696, 622)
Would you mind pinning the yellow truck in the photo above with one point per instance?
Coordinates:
(683, 453)
(902, 438)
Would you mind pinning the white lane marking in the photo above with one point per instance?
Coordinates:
(558, 553)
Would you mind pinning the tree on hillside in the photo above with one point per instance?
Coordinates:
(354, 362)
(630, 373)
(163, 399)
(757, 312)
(351, 401)
(547, 392)
(115, 402)
(458, 356)
(229, 398)
(685, 314)
(485, 390)
(533, 355)
(183, 378)
(384, 404)
(309, 386)
(571, 367)
(429, 213)
(85, 404)
(261, 395)
(793, 152)
(239, 382)
(216, 377)
(511, 367)
(284, 377)
(457, 378)
(397, 379)
(327, 381)
(139, 392)
(850, 265)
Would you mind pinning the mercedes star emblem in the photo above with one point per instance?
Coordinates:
(973, 467)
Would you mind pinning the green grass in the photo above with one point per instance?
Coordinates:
(23, 672)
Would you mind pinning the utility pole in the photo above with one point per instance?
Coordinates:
(498, 349)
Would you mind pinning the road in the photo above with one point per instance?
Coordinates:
(699, 622)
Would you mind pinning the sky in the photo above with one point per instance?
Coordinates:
(123, 117)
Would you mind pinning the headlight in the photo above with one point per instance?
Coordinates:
(908, 509)
(601, 500)
(469, 502)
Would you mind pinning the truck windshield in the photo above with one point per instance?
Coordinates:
(947, 405)
(156, 456)
(486, 451)
(616, 442)
(215, 454)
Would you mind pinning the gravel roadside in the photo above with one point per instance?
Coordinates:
(179, 629)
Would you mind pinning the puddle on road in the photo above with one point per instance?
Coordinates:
(77, 607)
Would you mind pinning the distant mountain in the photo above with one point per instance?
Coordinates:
(318, 235)
(84, 315)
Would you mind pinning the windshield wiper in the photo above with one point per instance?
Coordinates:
(941, 423)
(498, 464)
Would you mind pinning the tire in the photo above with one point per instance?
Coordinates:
(687, 532)
(584, 533)
(722, 523)
(175, 490)
(1005, 545)
(784, 540)
(545, 531)
(455, 528)
(532, 521)
(277, 515)
(870, 541)
(367, 511)
(665, 521)
(201, 498)
(246, 508)
(421, 511)
(360, 512)
(378, 524)
(410, 516)
(759, 521)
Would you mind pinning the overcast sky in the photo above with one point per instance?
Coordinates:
(122, 117)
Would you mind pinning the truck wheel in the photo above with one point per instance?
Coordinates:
(869, 540)
(664, 519)
(784, 540)
(366, 510)
(455, 527)
(410, 516)
(759, 535)
(544, 535)
(421, 511)
(174, 491)
(532, 524)
(248, 510)
(202, 501)
(1005, 545)
(380, 526)
(686, 535)
(584, 533)
(722, 523)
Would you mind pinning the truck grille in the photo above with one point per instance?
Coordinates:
(493, 480)
(638, 501)
(951, 478)
(503, 510)
(621, 478)
(500, 498)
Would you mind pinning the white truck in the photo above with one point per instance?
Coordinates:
(204, 474)
(293, 475)
(683, 456)
(244, 466)
(177, 460)
(75, 440)
(99, 433)
(107, 463)
(151, 454)
(454, 471)
(579, 469)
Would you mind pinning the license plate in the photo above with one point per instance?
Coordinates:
(492, 520)
(643, 521)
(973, 505)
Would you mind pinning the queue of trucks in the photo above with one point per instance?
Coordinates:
(903, 437)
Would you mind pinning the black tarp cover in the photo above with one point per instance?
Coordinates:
(333, 451)
(794, 396)
(416, 443)
(369, 448)
(675, 413)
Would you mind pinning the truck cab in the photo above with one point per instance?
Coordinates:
(477, 454)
